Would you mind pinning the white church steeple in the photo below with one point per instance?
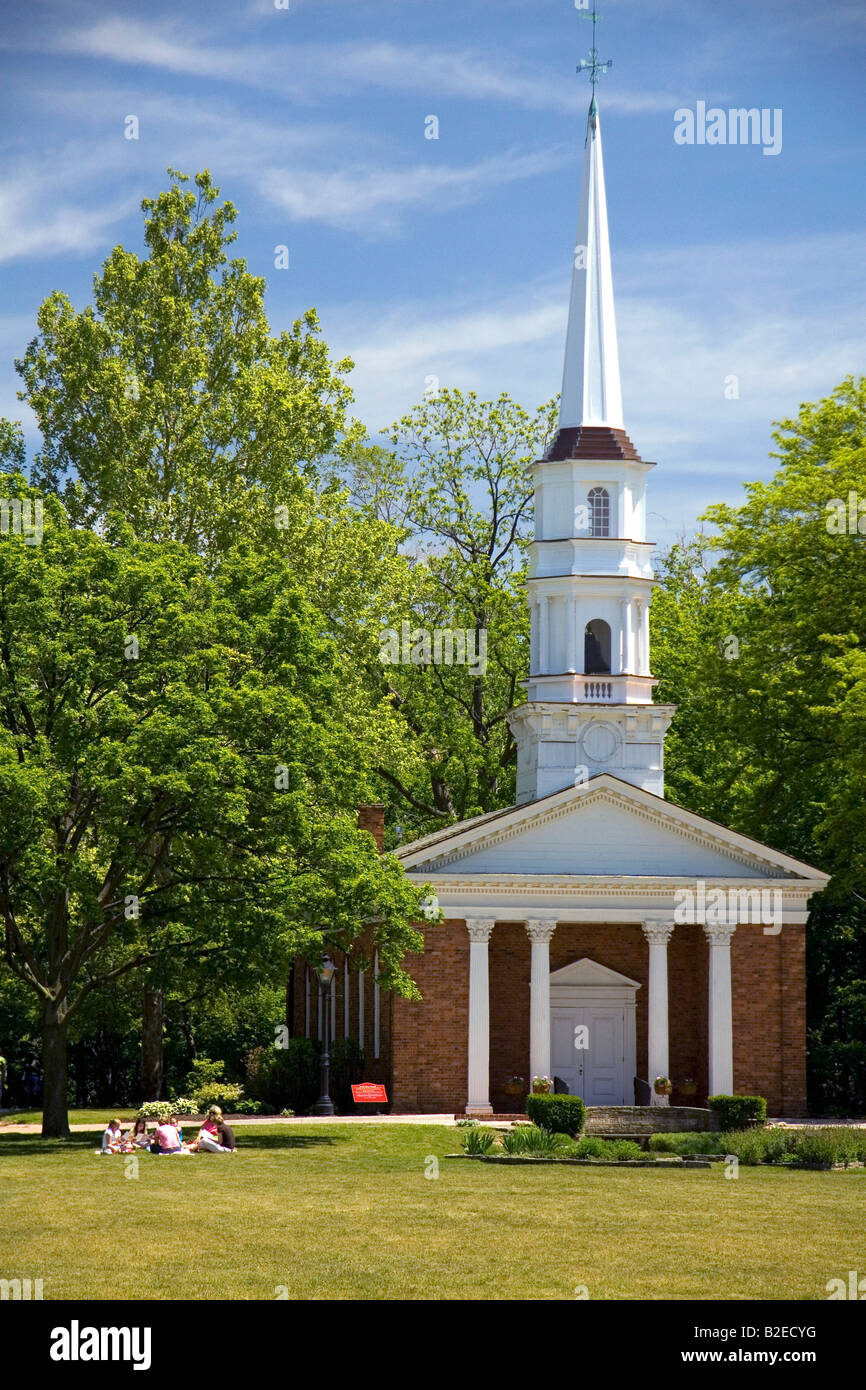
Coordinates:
(591, 392)
(589, 704)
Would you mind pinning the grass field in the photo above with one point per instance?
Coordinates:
(342, 1212)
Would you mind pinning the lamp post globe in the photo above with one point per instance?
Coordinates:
(326, 971)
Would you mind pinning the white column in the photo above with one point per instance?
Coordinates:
(533, 637)
(334, 1007)
(361, 1009)
(539, 932)
(638, 636)
(628, 640)
(721, 1016)
(573, 661)
(376, 1005)
(478, 1101)
(543, 636)
(658, 1057)
(623, 640)
(345, 996)
(646, 641)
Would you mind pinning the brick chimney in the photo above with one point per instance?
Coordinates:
(372, 818)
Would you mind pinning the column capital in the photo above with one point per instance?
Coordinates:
(540, 929)
(658, 933)
(480, 928)
(719, 933)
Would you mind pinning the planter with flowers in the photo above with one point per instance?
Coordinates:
(688, 1087)
(515, 1086)
(662, 1088)
(541, 1085)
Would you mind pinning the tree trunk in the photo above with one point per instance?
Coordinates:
(152, 1014)
(290, 1001)
(55, 1114)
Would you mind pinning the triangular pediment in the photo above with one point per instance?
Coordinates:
(589, 972)
(604, 827)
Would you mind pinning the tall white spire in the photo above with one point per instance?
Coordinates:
(589, 697)
(591, 391)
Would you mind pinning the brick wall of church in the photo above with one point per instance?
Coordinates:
(768, 975)
(429, 1057)
(768, 980)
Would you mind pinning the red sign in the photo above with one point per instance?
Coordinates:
(369, 1092)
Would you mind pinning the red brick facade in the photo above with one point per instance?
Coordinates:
(430, 1039)
(423, 1047)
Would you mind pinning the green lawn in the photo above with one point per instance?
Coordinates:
(343, 1212)
(127, 1113)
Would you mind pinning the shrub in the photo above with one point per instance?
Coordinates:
(559, 1114)
(745, 1144)
(735, 1112)
(591, 1147)
(203, 1072)
(225, 1094)
(478, 1140)
(184, 1106)
(285, 1076)
(818, 1148)
(686, 1143)
(529, 1139)
(156, 1110)
(287, 1114)
(249, 1107)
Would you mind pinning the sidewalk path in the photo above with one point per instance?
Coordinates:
(96, 1127)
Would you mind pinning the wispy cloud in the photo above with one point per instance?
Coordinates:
(371, 198)
(313, 71)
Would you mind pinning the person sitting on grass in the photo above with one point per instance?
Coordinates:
(112, 1139)
(138, 1138)
(215, 1136)
(167, 1138)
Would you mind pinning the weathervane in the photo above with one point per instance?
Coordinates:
(592, 64)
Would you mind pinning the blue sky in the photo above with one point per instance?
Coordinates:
(452, 257)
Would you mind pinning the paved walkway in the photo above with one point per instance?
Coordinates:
(96, 1127)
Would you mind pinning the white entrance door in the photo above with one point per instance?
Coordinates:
(588, 1052)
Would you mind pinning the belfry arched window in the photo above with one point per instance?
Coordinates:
(599, 511)
(596, 648)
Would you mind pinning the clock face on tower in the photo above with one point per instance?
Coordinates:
(600, 743)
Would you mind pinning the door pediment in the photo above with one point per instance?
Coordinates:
(590, 972)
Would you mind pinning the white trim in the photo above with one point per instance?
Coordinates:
(721, 1016)
(455, 844)
(376, 1006)
(658, 1044)
(478, 1050)
(361, 1009)
(345, 996)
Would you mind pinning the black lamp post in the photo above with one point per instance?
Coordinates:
(324, 1105)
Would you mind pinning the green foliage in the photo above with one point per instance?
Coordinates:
(457, 486)
(225, 1094)
(758, 637)
(285, 1077)
(686, 1144)
(156, 1110)
(735, 1112)
(202, 1072)
(194, 412)
(478, 1139)
(183, 1105)
(559, 1114)
(530, 1139)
